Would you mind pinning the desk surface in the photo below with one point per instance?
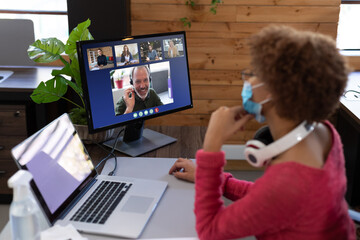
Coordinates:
(173, 217)
(25, 78)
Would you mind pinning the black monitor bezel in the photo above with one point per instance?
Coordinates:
(86, 98)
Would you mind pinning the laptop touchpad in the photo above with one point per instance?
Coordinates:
(137, 204)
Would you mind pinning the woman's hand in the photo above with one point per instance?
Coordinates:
(223, 123)
(183, 169)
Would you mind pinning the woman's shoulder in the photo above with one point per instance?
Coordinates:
(313, 150)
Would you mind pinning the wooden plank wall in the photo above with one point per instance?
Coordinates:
(217, 44)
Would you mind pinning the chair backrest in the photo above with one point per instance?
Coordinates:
(16, 36)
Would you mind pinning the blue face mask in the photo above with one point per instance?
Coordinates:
(250, 106)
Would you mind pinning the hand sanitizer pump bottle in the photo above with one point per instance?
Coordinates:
(24, 211)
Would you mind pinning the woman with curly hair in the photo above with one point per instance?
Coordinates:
(298, 78)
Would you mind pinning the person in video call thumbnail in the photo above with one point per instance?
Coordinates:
(101, 58)
(140, 95)
(152, 55)
(172, 51)
(126, 56)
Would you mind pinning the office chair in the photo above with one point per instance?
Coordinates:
(16, 36)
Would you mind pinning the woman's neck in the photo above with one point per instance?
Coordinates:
(279, 126)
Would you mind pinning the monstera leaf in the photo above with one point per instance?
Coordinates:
(51, 49)
(50, 91)
(79, 33)
(74, 66)
(46, 50)
(72, 71)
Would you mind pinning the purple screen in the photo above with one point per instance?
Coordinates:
(57, 160)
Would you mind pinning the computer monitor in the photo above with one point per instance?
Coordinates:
(126, 81)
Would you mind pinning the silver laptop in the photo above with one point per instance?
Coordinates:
(69, 190)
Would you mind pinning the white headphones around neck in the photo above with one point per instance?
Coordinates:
(260, 150)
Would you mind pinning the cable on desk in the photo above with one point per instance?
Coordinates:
(111, 153)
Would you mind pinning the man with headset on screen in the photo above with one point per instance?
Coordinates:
(140, 95)
(296, 84)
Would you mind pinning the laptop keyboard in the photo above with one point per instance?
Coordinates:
(101, 203)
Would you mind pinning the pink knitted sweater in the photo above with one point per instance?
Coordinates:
(290, 201)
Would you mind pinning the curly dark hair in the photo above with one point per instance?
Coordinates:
(303, 70)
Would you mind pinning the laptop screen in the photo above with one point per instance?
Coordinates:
(59, 163)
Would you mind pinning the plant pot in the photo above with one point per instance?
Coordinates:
(88, 138)
(119, 83)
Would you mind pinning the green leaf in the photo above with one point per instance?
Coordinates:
(66, 70)
(76, 71)
(186, 22)
(78, 116)
(46, 50)
(50, 91)
(112, 73)
(190, 2)
(79, 33)
(215, 2)
(75, 87)
(213, 10)
(71, 70)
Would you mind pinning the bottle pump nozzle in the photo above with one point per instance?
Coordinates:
(20, 183)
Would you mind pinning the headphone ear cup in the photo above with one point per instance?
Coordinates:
(264, 135)
(253, 153)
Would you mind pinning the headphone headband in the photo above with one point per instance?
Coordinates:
(258, 154)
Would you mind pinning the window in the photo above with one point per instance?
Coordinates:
(49, 16)
(348, 34)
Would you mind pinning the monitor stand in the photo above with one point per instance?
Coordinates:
(136, 140)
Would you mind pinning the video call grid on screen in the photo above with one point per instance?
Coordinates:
(106, 67)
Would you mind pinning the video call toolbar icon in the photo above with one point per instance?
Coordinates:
(145, 112)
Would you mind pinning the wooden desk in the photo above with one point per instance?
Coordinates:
(348, 126)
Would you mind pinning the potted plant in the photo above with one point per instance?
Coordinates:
(51, 49)
(119, 80)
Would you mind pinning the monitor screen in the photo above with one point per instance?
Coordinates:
(135, 78)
